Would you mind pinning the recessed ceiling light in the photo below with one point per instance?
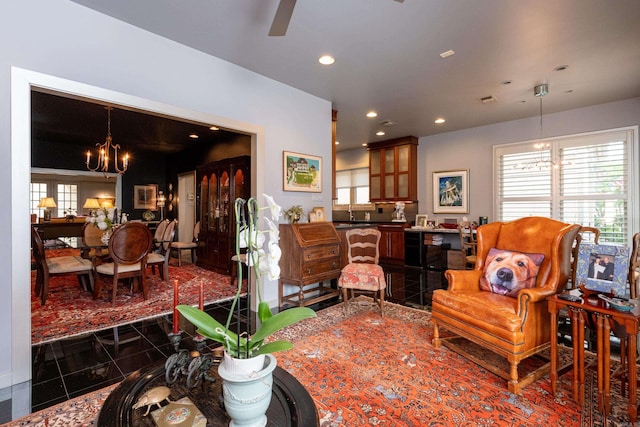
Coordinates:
(371, 114)
(380, 133)
(326, 60)
(337, 142)
(193, 136)
(364, 144)
(214, 128)
(446, 54)
(561, 68)
(439, 120)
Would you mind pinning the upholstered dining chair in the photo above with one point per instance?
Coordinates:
(158, 235)
(57, 266)
(179, 247)
(129, 246)
(160, 256)
(467, 245)
(362, 273)
(501, 305)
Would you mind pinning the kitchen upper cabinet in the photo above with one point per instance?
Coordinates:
(393, 169)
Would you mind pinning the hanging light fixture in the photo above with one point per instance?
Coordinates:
(542, 157)
(104, 155)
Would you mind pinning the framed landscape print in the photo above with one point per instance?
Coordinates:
(301, 172)
(144, 197)
(451, 191)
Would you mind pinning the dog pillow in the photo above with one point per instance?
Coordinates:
(506, 272)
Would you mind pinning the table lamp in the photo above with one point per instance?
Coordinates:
(91, 203)
(47, 202)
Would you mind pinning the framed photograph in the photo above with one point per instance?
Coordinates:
(431, 224)
(421, 221)
(301, 172)
(451, 191)
(145, 197)
(313, 217)
(319, 212)
(603, 268)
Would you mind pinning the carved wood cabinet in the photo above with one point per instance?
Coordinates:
(219, 184)
(310, 255)
(393, 169)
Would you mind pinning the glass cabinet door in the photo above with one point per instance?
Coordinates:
(213, 202)
(403, 158)
(225, 205)
(204, 201)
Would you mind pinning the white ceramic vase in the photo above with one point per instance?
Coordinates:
(246, 389)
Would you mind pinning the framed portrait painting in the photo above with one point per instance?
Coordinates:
(451, 191)
(301, 172)
(145, 197)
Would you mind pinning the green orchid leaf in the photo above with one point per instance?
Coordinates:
(209, 327)
(281, 320)
(272, 347)
(264, 311)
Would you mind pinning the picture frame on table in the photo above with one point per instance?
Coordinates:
(145, 197)
(421, 221)
(319, 214)
(301, 172)
(603, 268)
(451, 191)
(312, 217)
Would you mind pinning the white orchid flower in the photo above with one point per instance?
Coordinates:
(275, 209)
(274, 231)
(274, 251)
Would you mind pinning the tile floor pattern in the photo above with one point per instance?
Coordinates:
(69, 368)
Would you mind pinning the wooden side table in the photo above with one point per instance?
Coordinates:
(596, 314)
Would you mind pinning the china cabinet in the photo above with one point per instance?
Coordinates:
(393, 169)
(219, 184)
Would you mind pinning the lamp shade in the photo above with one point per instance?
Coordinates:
(91, 203)
(47, 202)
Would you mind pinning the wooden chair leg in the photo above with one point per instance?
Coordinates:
(115, 290)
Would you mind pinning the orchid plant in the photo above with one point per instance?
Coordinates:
(263, 263)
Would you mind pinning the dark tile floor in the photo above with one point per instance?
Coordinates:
(68, 368)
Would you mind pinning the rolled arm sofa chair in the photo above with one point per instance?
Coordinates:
(515, 327)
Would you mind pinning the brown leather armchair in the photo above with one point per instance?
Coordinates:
(515, 328)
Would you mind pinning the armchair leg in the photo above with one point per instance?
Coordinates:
(436, 334)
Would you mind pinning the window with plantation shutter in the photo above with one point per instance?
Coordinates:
(582, 179)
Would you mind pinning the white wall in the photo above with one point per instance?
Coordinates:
(119, 62)
(472, 148)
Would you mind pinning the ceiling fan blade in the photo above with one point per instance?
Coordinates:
(281, 19)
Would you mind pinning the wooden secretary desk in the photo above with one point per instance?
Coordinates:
(310, 255)
(219, 184)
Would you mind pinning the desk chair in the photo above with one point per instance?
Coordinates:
(362, 272)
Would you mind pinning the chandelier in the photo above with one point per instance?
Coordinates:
(104, 149)
(542, 156)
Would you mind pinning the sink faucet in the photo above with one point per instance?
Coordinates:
(351, 217)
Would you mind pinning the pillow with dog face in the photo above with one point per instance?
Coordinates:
(506, 272)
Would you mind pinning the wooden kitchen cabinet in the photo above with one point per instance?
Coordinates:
(310, 255)
(392, 243)
(219, 184)
(393, 169)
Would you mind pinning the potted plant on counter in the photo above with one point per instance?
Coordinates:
(248, 363)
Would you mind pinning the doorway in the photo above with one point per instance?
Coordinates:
(186, 206)
(22, 83)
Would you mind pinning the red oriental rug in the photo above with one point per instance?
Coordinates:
(71, 311)
(362, 369)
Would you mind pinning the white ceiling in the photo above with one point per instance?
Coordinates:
(387, 54)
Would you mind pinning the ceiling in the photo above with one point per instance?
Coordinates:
(388, 54)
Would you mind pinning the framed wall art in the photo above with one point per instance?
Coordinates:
(301, 172)
(145, 197)
(451, 191)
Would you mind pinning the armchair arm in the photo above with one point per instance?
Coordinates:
(463, 279)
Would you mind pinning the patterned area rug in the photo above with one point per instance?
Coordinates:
(362, 369)
(71, 311)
